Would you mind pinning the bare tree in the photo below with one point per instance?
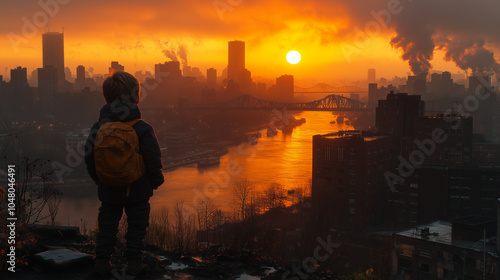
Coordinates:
(159, 232)
(184, 230)
(274, 197)
(54, 199)
(241, 196)
(205, 212)
(34, 192)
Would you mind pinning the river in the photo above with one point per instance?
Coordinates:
(283, 159)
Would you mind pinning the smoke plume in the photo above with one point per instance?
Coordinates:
(182, 53)
(469, 55)
(417, 46)
(446, 25)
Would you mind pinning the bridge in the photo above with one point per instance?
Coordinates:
(247, 102)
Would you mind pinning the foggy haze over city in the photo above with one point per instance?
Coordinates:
(321, 139)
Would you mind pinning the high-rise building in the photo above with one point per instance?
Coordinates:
(116, 67)
(186, 71)
(80, 77)
(285, 88)
(417, 84)
(457, 149)
(479, 84)
(372, 77)
(348, 187)
(53, 54)
(47, 81)
(170, 70)
(372, 94)
(212, 77)
(399, 114)
(245, 81)
(19, 77)
(236, 59)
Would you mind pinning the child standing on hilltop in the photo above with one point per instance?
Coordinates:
(123, 158)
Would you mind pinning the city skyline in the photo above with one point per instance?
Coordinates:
(322, 139)
(326, 34)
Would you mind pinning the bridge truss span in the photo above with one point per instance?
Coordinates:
(247, 102)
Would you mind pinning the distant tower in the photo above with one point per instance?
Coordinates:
(116, 67)
(236, 59)
(212, 77)
(80, 77)
(372, 76)
(372, 95)
(53, 55)
(19, 77)
(168, 71)
(245, 81)
(47, 81)
(285, 87)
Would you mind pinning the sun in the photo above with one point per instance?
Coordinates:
(293, 57)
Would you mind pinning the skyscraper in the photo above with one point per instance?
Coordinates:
(80, 77)
(348, 189)
(168, 71)
(245, 81)
(53, 54)
(116, 67)
(47, 82)
(212, 76)
(372, 94)
(285, 87)
(236, 60)
(19, 77)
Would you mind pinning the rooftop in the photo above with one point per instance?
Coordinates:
(351, 133)
(441, 232)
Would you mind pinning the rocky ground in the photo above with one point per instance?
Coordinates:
(66, 255)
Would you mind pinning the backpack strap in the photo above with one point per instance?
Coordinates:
(132, 122)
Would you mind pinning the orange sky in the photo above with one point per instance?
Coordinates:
(135, 33)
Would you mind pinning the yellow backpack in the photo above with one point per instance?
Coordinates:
(116, 154)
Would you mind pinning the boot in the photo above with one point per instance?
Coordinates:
(102, 267)
(136, 267)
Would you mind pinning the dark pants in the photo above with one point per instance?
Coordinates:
(109, 219)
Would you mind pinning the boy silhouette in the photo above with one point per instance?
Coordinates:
(121, 92)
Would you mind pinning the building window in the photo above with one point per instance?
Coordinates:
(352, 200)
(352, 151)
(340, 153)
(352, 162)
(352, 210)
(352, 182)
(352, 172)
(328, 152)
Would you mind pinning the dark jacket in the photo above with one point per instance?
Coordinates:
(149, 149)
